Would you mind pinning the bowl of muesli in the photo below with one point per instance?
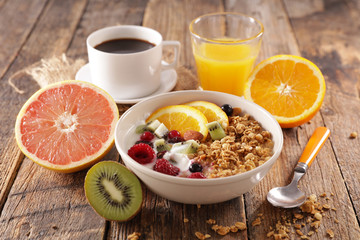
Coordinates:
(222, 147)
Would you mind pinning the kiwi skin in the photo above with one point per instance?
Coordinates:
(91, 190)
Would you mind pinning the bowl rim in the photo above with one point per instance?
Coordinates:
(191, 181)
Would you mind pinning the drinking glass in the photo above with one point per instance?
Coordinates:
(225, 47)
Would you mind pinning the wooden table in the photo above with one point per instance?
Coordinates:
(36, 203)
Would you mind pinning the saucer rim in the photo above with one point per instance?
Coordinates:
(170, 81)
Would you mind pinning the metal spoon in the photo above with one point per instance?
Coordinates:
(290, 196)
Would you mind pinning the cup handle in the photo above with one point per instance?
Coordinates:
(176, 45)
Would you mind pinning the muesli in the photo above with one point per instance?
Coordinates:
(239, 147)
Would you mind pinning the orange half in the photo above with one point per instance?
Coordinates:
(291, 88)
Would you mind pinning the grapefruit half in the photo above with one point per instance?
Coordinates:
(67, 126)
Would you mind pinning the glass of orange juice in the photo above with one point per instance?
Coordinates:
(225, 46)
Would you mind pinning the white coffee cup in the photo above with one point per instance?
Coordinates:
(129, 75)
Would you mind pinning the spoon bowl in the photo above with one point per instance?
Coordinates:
(290, 196)
(287, 197)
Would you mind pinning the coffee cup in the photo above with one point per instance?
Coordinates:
(126, 61)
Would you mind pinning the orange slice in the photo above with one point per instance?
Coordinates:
(67, 126)
(181, 118)
(291, 88)
(211, 111)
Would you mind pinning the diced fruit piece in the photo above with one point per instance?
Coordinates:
(195, 167)
(211, 111)
(164, 166)
(153, 125)
(187, 147)
(141, 128)
(227, 108)
(196, 175)
(142, 153)
(215, 130)
(178, 158)
(181, 118)
(161, 131)
(194, 145)
(193, 135)
(113, 191)
(161, 145)
(147, 136)
(173, 134)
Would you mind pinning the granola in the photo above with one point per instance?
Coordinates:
(312, 212)
(246, 146)
(134, 236)
(201, 236)
(353, 135)
(224, 230)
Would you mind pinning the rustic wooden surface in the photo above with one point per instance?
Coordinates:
(36, 203)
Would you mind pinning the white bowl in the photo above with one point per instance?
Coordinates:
(186, 190)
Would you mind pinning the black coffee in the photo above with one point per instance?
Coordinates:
(124, 45)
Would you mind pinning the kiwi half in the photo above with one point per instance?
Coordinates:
(113, 191)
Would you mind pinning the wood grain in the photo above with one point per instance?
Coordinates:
(275, 20)
(36, 203)
(336, 51)
(41, 203)
(20, 18)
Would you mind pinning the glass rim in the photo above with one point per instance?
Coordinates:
(257, 35)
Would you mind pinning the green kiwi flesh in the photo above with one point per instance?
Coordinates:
(113, 191)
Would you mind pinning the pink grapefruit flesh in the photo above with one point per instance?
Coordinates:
(67, 126)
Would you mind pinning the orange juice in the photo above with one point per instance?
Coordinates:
(225, 67)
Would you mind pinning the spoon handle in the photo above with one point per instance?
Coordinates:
(314, 145)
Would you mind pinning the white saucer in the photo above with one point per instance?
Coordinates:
(168, 82)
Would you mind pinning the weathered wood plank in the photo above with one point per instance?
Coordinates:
(16, 25)
(41, 203)
(280, 39)
(332, 44)
(172, 20)
(17, 19)
(160, 218)
(48, 207)
(101, 14)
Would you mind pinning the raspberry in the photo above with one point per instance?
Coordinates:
(196, 175)
(164, 166)
(142, 153)
(147, 136)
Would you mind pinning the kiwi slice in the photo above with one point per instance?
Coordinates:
(113, 191)
(161, 145)
(215, 130)
(190, 146)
